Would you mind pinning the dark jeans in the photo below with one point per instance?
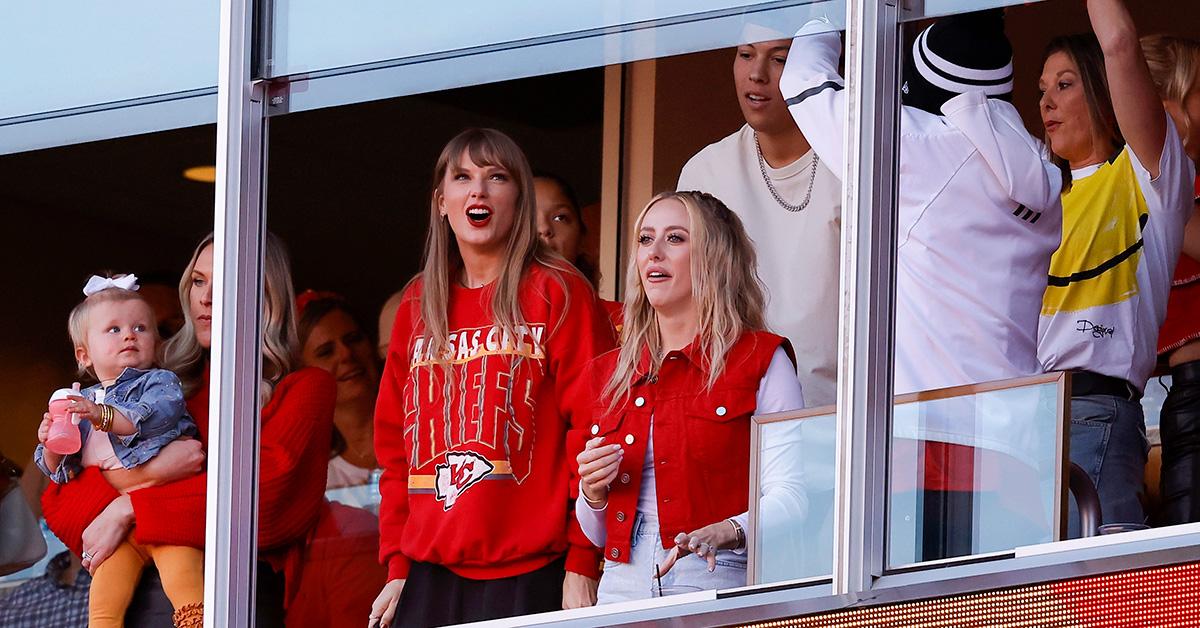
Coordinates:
(1180, 430)
(1108, 440)
(149, 607)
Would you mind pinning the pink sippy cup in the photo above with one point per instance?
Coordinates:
(64, 433)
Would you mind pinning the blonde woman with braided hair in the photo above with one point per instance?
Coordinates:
(666, 473)
(481, 395)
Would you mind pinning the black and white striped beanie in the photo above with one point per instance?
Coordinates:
(958, 54)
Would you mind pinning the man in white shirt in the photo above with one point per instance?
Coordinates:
(978, 219)
(790, 204)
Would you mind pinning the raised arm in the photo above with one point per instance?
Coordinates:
(814, 92)
(1135, 101)
(995, 129)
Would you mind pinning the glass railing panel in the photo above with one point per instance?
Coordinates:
(792, 474)
(977, 469)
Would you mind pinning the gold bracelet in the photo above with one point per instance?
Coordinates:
(596, 503)
(106, 417)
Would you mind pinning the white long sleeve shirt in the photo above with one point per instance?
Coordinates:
(979, 216)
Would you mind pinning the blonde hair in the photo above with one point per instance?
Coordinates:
(728, 293)
(183, 353)
(1175, 68)
(443, 261)
(77, 320)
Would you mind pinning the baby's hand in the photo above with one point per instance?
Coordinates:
(44, 429)
(85, 408)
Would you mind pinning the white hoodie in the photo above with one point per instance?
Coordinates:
(979, 216)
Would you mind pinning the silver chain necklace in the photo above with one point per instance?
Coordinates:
(762, 167)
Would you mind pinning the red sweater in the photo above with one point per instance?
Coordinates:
(296, 427)
(479, 482)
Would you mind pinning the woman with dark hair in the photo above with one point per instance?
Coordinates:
(482, 395)
(560, 222)
(1128, 198)
(561, 227)
(332, 339)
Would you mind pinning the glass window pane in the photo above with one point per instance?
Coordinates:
(349, 196)
(792, 543)
(115, 214)
(310, 35)
(79, 54)
(934, 8)
(975, 472)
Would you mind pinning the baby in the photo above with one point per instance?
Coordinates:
(125, 420)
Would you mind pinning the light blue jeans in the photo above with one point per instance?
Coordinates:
(1108, 440)
(635, 580)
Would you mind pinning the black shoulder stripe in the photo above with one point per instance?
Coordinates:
(1026, 214)
(813, 91)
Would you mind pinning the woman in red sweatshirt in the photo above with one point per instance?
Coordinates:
(91, 514)
(481, 392)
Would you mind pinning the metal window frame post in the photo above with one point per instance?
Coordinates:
(868, 279)
(236, 358)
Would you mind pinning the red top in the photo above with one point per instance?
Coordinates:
(701, 438)
(1182, 324)
(479, 482)
(296, 427)
(1183, 307)
(616, 314)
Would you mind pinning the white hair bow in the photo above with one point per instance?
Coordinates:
(98, 283)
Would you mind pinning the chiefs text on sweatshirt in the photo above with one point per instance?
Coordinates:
(476, 474)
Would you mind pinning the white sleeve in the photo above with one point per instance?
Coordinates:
(1176, 177)
(783, 493)
(591, 520)
(689, 179)
(815, 92)
(996, 131)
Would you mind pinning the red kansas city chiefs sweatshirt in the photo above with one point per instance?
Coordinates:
(478, 480)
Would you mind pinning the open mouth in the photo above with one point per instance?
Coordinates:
(656, 275)
(479, 215)
(757, 99)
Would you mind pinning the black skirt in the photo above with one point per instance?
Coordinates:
(436, 596)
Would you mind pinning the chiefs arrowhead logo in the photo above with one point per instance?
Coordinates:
(462, 470)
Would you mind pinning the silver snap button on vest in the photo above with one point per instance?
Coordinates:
(629, 439)
(721, 411)
(639, 402)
